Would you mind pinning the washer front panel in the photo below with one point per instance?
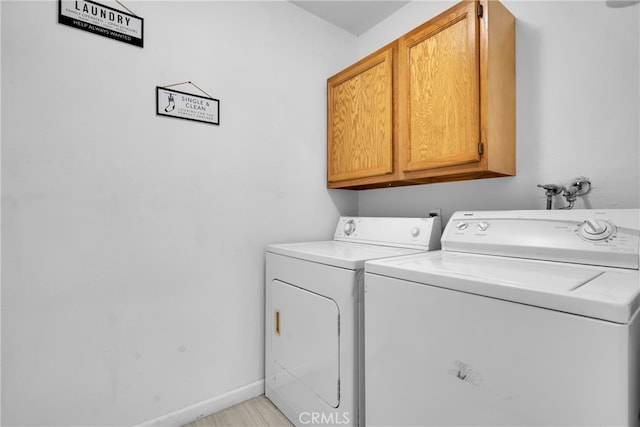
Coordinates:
(438, 357)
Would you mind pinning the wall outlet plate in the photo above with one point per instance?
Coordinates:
(435, 212)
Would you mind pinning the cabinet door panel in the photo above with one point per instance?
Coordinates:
(360, 120)
(439, 85)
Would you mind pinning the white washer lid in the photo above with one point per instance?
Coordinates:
(351, 256)
(611, 294)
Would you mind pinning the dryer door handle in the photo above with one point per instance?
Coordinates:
(277, 314)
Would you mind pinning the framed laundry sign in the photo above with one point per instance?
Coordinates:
(188, 106)
(103, 20)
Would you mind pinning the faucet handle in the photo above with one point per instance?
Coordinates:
(582, 184)
(552, 189)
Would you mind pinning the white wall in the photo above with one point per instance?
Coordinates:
(132, 269)
(578, 109)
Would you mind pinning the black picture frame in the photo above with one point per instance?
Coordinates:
(100, 22)
(187, 106)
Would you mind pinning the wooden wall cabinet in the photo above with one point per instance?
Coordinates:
(438, 104)
(360, 125)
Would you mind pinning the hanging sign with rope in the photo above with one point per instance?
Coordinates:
(188, 106)
(103, 20)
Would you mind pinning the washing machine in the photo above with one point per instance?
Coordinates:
(313, 315)
(524, 318)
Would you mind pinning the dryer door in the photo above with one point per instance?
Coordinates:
(305, 339)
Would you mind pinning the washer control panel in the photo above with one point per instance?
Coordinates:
(595, 237)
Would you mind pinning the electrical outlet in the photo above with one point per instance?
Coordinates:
(435, 212)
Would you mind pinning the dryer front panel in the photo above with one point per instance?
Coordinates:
(305, 339)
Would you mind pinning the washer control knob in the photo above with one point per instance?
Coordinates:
(594, 229)
(415, 231)
(482, 226)
(593, 226)
(349, 227)
(461, 226)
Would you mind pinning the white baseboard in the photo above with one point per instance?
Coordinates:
(202, 409)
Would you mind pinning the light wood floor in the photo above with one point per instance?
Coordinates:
(256, 412)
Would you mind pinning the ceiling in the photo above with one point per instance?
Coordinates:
(355, 17)
(359, 16)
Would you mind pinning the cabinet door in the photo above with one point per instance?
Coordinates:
(440, 91)
(360, 119)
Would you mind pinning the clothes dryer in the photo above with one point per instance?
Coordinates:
(313, 337)
(525, 318)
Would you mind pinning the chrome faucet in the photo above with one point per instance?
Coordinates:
(551, 190)
(579, 187)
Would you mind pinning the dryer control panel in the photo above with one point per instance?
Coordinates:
(608, 237)
(413, 233)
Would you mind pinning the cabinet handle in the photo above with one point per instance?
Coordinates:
(278, 322)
